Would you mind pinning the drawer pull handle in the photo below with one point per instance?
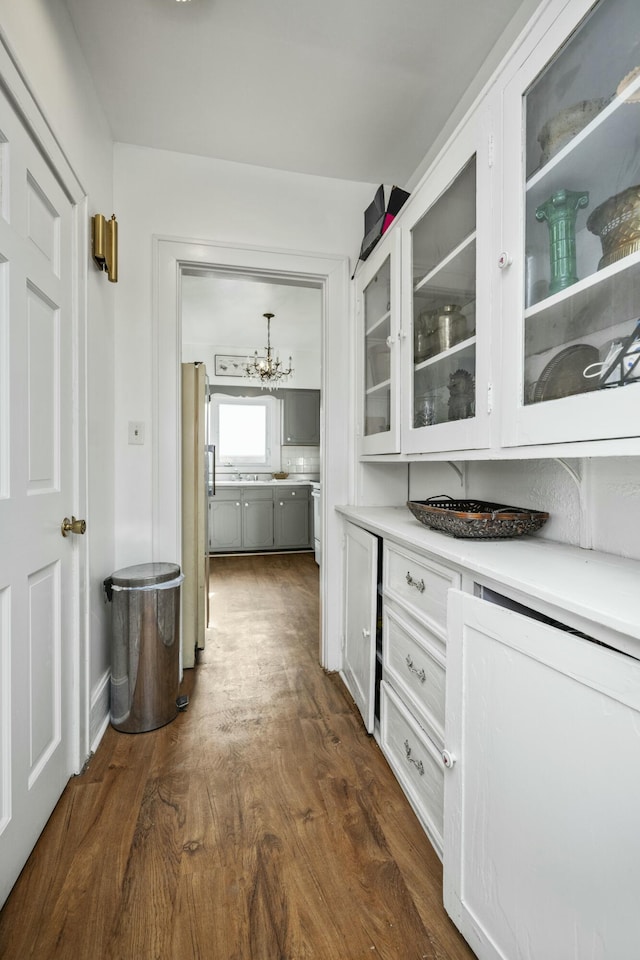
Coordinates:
(417, 763)
(418, 584)
(420, 674)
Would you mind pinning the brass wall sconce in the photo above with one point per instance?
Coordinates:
(104, 242)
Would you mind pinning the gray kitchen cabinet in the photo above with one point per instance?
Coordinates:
(300, 417)
(291, 517)
(257, 518)
(225, 521)
(260, 518)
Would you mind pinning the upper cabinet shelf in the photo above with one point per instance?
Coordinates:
(447, 354)
(453, 279)
(380, 325)
(586, 157)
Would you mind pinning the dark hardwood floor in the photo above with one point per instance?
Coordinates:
(261, 824)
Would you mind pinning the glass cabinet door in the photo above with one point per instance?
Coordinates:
(380, 323)
(580, 276)
(444, 299)
(447, 237)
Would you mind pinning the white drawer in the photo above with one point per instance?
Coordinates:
(416, 668)
(419, 585)
(416, 763)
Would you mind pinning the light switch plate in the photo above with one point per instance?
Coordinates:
(136, 431)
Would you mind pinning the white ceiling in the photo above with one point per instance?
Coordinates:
(228, 311)
(354, 89)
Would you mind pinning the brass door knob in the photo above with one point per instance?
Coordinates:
(72, 526)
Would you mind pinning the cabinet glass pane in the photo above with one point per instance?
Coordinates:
(582, 221)
(444, 302)
(377, 327)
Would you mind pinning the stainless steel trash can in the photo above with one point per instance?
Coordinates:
(145, 645)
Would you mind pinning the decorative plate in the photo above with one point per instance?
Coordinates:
(563, 375)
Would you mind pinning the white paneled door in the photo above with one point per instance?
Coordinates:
(37, 594)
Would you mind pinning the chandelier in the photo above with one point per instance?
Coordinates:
(268, 370)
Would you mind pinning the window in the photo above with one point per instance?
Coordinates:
(246, 432)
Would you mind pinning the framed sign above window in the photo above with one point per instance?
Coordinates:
(228, 366)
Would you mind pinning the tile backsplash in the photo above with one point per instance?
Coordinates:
(300, 462)
(300, 459)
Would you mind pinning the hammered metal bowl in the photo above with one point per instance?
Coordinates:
(617, 223)
(476, 519)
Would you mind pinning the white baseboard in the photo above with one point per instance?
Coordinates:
(99, 718)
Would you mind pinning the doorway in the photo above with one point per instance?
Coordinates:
(245, 429)
(331, 275)
(223, 325)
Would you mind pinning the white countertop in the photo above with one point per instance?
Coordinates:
(595, 587)
(289, 482)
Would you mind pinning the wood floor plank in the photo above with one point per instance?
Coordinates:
(262, 824)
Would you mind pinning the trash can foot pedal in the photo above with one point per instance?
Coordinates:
(182, 702)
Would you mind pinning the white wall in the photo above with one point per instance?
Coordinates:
(594, 504)
(188, 197)
(614, 495)
(44, 43)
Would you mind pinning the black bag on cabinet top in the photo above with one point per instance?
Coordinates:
(378, 218)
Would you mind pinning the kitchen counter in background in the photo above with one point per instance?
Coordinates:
(289, 482)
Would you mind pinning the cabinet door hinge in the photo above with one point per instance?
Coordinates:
(490, 150)
(489, 397)
(342, 643)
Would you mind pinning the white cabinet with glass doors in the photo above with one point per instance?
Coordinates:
(378, 295)
(572, 228)
(446, 239)
(424, 307)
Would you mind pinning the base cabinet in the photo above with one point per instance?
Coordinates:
(510, 711)
(416, 762)
(257, 524)
(241, 519)
(225, 524)
(414, 632)
(541, 847)
(509, 714)
(360, 619)
(259, 518)
(291, 517)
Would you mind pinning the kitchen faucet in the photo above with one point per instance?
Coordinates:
(236, 475)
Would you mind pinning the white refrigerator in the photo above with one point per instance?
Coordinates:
(195, 468)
